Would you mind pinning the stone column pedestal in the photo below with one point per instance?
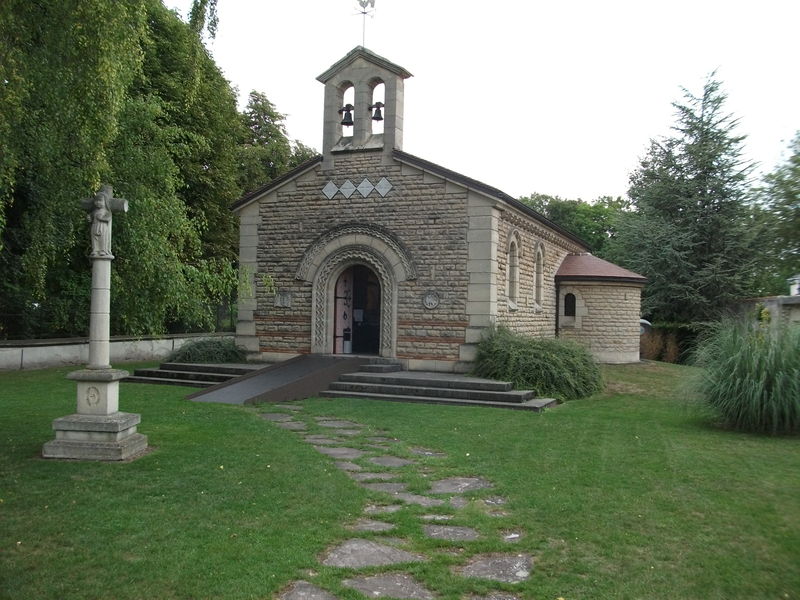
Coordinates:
(98, 431)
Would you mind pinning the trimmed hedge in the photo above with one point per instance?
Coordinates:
(550, 367)
(208, 351)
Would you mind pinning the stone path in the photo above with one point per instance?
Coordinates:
(373, 466)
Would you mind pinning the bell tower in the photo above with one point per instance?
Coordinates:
(348, 127)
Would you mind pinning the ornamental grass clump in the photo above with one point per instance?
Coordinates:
(751, 377)
(551, 368)
(208, 351)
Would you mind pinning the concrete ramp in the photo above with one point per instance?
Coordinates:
(294, 379)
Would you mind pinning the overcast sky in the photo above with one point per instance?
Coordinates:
(558, 97)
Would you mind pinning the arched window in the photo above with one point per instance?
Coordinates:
(569, 305)
(377, 107)
(346, 109)
(538, 276)
(513, 271)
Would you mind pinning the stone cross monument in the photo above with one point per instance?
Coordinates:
(98, 431)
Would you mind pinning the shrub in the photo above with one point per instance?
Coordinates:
(751, 377)
(208, 351)
(550, 367)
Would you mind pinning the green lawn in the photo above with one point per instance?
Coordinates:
(629, 494)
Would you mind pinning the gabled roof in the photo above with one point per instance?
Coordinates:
(586, 267)
(277, 182)
(424, 165)
(369, 56)
(482, 188)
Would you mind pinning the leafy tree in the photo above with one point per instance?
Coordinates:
(780, 211)
(594, 222)
(119, 92)
(692, 232)
(265, 151)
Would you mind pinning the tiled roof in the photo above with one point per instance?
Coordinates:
(586, 267)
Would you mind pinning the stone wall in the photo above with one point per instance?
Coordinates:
(526, 316)
(606, 319)
(426, 215)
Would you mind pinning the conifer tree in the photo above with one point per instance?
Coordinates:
(691, 232)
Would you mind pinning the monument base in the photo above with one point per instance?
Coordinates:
(96, 437)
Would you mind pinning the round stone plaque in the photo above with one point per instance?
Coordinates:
(430, 300)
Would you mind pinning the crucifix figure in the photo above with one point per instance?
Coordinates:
(100, 208)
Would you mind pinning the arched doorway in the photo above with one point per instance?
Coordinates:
(357, 311)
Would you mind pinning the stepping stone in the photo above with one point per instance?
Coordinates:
(371, 525)
(458, 502)
(302, 590)
(369, 476)
(292, 426)
(390, 461)
(389, 488)
(512, 537)
(425, 501)
(336, 423)
(458, 485)
(358, 553)
(276, 417)
(379, 509)
(392, 585)
(340, 452)
(321, 439)
(347, 432)
(451, 533)
(289, 406)
(347, 466)
(495, 501)
(426, 452)
(436, 517)
(506, 568)
(495, 596)
(498, 513)
(392, 541)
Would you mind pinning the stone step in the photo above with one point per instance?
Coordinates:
(184, 375)
(162, 381)
(536, 404)
(513, 396)
(381, 368)
(440, 380)
(226, 369)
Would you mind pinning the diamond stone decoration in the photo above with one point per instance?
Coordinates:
(383, 187)
(330, 190)
(347, 188)
(365, 188)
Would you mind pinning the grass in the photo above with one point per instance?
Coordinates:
(628, 494)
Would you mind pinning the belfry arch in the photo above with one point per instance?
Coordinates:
(331, 255)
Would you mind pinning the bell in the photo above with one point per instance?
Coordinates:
(377, 116)
(347, 120)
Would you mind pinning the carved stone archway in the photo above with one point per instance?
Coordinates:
(343, 247)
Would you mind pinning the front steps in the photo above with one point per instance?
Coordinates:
(394, 385)
(191, 374)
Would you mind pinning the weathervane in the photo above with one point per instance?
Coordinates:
(365, 5)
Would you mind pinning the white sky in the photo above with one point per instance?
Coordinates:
(557, 97)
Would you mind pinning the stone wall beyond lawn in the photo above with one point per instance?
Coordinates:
(40, 354)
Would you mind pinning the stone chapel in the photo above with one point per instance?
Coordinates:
(367, 249)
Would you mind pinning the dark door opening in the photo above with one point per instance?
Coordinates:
(357, 313)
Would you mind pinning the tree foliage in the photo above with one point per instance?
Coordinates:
(780, 212)
(119, 92)
(265, 151)
(595, 222)
(692, 231)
